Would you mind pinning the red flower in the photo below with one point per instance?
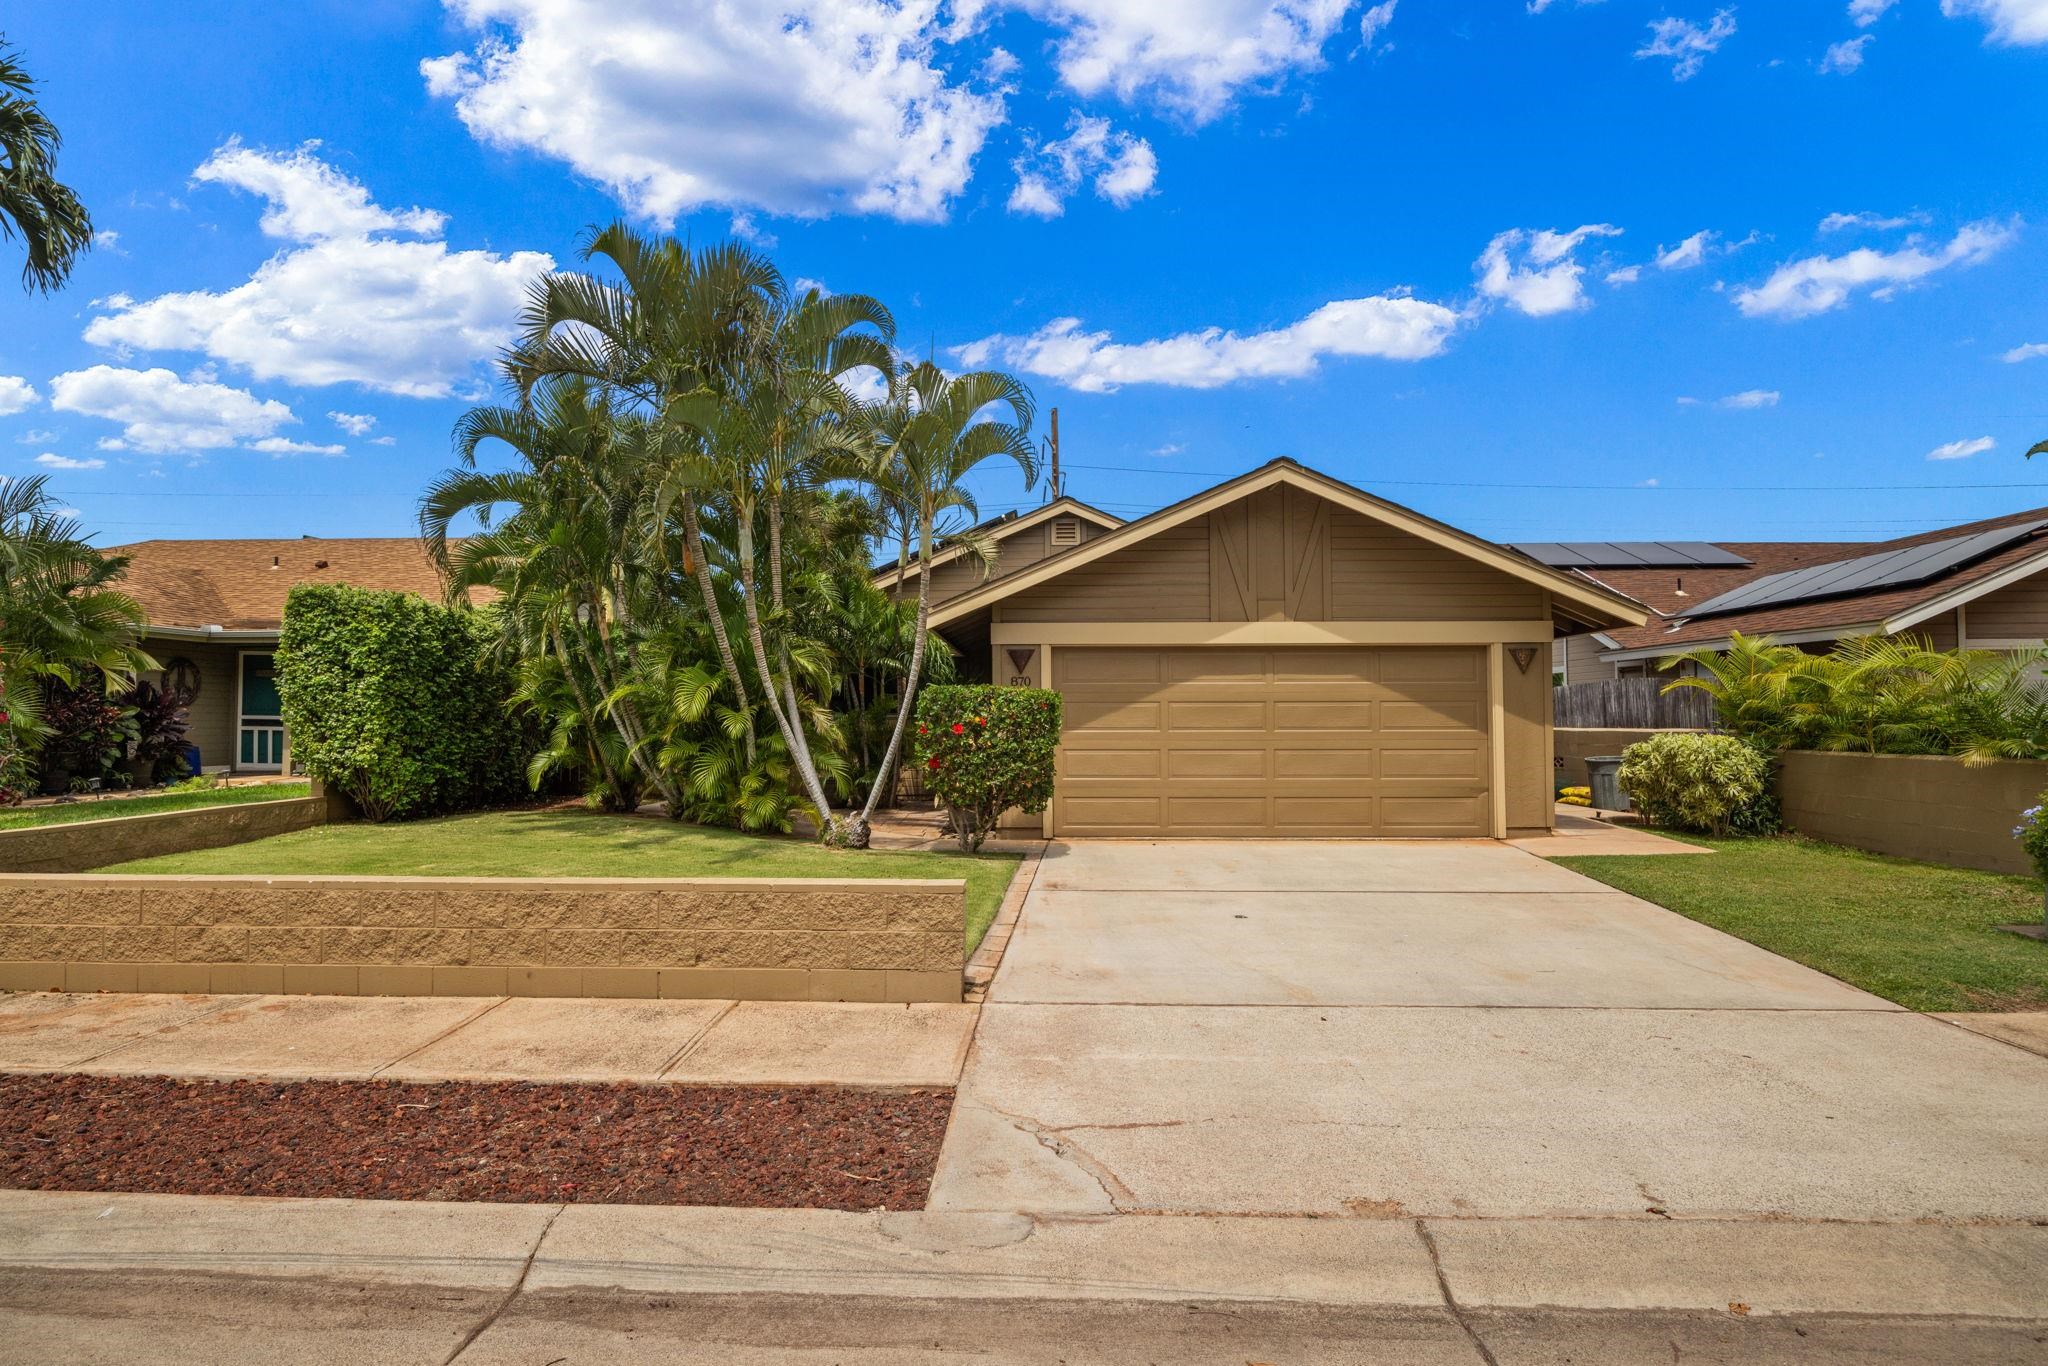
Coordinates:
(981, 720)
(922, 731)
(932, 762)
(959, 729)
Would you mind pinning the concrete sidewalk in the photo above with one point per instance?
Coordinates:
(486, 1039)
(354, 1281)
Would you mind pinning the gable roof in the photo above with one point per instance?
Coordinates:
(1591, 598)
(241, 585)
(1000, 528)
(1881, 608)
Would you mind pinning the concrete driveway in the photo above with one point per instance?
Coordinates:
(1456, 1030)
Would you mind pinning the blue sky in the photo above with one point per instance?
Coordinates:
(1549, 270)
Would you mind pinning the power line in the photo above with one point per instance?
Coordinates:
(1606, 488)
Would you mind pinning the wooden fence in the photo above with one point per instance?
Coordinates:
(1631, 704)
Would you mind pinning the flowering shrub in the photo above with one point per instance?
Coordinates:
(1692, 781)
(2032, 833)
(985, 750)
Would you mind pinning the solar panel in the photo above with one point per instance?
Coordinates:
(1866, 573)
(1630, 554)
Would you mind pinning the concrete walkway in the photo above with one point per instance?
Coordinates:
(1455, 1031)
(486, 1039)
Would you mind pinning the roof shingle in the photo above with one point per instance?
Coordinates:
(241, 585)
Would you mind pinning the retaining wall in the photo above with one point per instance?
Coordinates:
(1915, 806)
(81, 845)
(852, 939)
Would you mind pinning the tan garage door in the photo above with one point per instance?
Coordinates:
(1273, 743)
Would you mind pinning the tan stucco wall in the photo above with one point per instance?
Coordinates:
(729, 938)
(1526, 708)
(1914, 806)
(1573, 745)
(95, 844)
(214, 712)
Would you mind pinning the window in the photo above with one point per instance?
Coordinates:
(1066, 531)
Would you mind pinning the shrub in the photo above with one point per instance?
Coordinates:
(985, 750)
(158, 722)
(1693, 781)
(86, 733)
(2032, 833)
(397, 703)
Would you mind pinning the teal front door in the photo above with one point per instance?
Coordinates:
(260, 744)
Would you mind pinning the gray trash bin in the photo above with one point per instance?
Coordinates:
(1603, 775)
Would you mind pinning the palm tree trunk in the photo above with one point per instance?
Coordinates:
(627, 718)
(695, 532)
(590, 715)
(904, 708)
(789, 726)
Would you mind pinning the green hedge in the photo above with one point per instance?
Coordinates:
(397, 703)
(987, 749)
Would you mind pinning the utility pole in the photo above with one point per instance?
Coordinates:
(1053, 483)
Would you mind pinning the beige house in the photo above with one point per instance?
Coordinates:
(1979, 585)
(1286, 655)
(215, 609)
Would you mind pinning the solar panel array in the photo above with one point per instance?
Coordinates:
(1867, 573)
(1630, 554)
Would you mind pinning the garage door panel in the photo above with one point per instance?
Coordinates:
(1115, 763)
(1336, 742)
(1200, 762)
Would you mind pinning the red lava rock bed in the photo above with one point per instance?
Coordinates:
(511, 1142)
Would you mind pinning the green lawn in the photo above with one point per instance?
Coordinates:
(581, 844)
(1914, 933)
(100, 809)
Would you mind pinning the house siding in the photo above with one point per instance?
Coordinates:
(1019, 550)
(213, 715)
(1582, 661)
(1379, 573)
(1164, 577)
(2018, 612)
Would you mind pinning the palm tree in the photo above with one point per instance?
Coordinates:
(34, 206)
(934, 434)
(60, 616)
(2038, 448)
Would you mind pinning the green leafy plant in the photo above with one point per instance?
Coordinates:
(1691, 781)
(2032, 833)
(158, 721)
(986, 750)
(397, 703)
(85, 732)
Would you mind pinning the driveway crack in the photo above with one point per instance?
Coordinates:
(525, 1270)
(1451, 1306)
(1055, 1141)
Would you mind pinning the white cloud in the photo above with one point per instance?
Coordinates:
(51, 461)
(1800, 289)
(339, 306)
(16, 395)
(36, 437)
(1190, 58)
(1171, 448)
(308, 200)
(803, 107)
(2030, 351)
(383, 441)
(1687, 254)
(279, 446)
(2012, 21)
(1961, 450)
(1846, 56)
(1626, 275)
(1388, 326)
(1836, 222)
(1751, 398)
(1686, 43)
(160, 412)
(1374, 22)
(1868, 12)
(355, 424)
(1534, 271)
(1123, 166)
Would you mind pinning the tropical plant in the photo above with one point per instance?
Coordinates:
(61, 619)
(987, 750)
(158, 721)
(86, 731)
(34, 206)
(1691, 781)
(933, 432)
(1876, 695)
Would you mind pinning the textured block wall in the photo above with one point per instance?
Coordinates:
(94, 844)
(1914, 806)
(842, 939)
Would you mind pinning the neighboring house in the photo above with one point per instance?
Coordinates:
(1288, 655)
(215, 609)
(1981, 585)
(1020, 539)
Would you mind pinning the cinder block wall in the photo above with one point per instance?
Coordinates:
(1915, 806)
(854, 939)
(94, 844)
(1575, 744)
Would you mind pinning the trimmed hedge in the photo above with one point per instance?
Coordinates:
(397, 703)
(1707, 783)
(986, 749)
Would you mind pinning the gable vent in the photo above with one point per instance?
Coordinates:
(1066, 531)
